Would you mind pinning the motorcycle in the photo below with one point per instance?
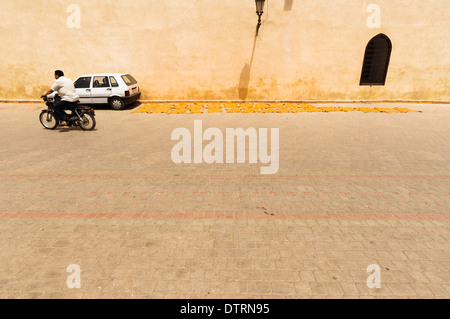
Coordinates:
(82, 116)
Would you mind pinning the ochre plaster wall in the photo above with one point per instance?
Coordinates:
(205, 49)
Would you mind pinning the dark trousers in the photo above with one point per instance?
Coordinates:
(59, 109)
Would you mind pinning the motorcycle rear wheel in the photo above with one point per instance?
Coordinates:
(48, 120)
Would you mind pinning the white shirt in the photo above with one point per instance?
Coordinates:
(66, 89)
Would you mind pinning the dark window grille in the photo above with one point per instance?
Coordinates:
(376, 61)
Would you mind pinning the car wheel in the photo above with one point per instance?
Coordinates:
(117, 103)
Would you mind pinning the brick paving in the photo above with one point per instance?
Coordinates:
(353, 189)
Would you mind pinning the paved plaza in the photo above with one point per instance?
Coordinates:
(353, 189)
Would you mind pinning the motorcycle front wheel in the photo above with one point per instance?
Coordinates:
(87, 122)
(48, 120)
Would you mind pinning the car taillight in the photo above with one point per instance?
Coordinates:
(127, 93)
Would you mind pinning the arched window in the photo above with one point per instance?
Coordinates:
(376, 61)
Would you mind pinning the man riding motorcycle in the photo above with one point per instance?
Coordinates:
(66, 91)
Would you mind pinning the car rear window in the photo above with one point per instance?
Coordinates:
(129, 80)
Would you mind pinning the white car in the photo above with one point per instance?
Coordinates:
(115, 89)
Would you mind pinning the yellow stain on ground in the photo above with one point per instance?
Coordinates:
(404, 110)
(233, 107)
(367, 110)
(386, 110)
(347, 109)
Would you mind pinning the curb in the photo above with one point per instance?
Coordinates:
(294, 101)
(22, 101)
(258, 101)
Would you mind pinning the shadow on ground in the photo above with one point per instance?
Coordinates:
(129, 107)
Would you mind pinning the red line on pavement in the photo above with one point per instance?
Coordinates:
(232, 216)
(230, 193)
(214, 176)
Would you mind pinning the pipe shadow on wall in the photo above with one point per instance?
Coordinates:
(244, 80)
(288, 5)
